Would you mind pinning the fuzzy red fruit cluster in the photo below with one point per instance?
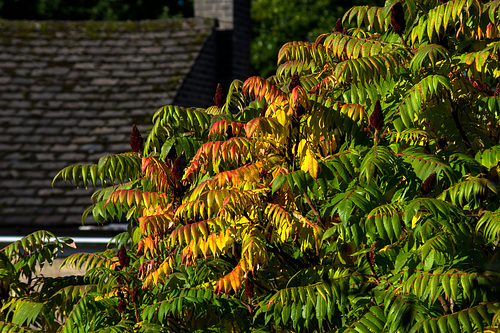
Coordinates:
(295, 82)
(398, 18)
(136, 140)
(122, 306)
(377, 117)
(249, 289)
(123, 257)
(428, 183)
(339, 27)
(177, 169)
(219, 97)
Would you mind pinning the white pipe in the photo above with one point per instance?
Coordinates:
(77, 240)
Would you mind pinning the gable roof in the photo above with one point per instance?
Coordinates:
(69, 94)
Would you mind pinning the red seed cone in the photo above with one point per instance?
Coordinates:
(377, 117)
(177, 169)
(497, 90)
(136, 140)
(122, 306)
(338, 26)
(123, 257)
(398, 18)
(249, 289)
(219, 97)
(295, 82)
(428, 184)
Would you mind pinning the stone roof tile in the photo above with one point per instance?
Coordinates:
(70, 92)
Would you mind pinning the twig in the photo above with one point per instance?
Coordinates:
(312, 208)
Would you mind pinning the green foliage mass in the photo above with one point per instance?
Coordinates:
(275, 23)
(356, 190)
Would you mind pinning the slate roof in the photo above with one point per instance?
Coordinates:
(69, 94)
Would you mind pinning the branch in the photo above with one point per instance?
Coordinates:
(460, 129)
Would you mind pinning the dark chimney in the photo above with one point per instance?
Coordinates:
(233, 35)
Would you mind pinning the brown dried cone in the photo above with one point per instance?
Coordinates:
(377, 117)
(133, 294)
(371, 255)
(497, 90)
(219, 97)
(428, 184)
(294, 82)
(136, 140)
(123, 257)
(398, 18)
(263, 173)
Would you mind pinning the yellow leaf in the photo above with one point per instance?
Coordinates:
(211, 243)
(310, 164)
(194, 248)
(282, 117)
(301, 148)
(232, 280)
(415, 219)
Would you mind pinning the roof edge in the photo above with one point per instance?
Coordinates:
(98, 26)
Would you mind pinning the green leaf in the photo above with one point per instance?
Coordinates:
(464, 320)
(285, 313)
(476, 318)
(453, 323)
(277, 182)
(443, 327)
(299, 180)
(26, 312)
